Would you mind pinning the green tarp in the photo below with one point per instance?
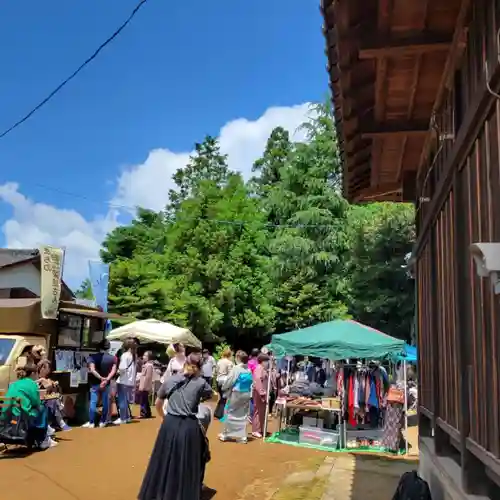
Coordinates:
(336, 340)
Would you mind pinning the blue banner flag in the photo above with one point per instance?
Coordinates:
(99, 280)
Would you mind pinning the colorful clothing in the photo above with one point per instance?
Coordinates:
(237, 389)
(26, 389)
(259, 396)
(392, 435)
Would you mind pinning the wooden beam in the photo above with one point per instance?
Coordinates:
(422, 43)
(363, 150)
(411, 106)
(380, 89)
(384, 15)
(377, 146)
(401, 158)
(448, 71)
(395, 129)
(376, 191)
(414, 86)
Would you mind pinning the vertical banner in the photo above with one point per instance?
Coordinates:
(99, 281)
(51, 267)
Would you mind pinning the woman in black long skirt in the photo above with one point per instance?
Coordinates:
(177, 465)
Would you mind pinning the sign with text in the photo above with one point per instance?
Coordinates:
(51, 264)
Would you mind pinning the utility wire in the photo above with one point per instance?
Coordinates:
(75, 73)
(200, 219)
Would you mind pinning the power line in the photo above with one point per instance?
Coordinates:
(75, 73)
(196, 219)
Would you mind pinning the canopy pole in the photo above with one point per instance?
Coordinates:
(268, 395)
(405, 406)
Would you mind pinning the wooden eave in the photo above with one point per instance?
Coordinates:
(388, 62)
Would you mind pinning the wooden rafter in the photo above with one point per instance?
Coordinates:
(401, 157)
(377, 191)
(380, 89)
(414, 86)
(453, 55)
(403, 47)
(391, 129)
(413, 91)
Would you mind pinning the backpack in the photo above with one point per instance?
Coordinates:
(412, 487)
(14, 428)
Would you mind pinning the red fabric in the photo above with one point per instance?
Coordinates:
(378, 390)
(352, 420)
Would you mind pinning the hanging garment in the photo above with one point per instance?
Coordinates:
(378, 389)
(362, 390)
(373, 399)
(392, 435)
(352, 419)
(356, 392)
(340, 384)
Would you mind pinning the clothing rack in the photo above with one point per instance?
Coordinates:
(343, 427)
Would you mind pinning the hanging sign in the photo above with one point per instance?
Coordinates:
(51, 273)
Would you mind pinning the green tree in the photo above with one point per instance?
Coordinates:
(381, 294)
(235, 261)
(145, 234)
(275, 158)
(309, 244)
(204, 266)
(206, 163)
(222, 273)
(85, 290)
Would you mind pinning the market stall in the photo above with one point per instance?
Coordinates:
(78, 335)
(155, 331)
(351, 417)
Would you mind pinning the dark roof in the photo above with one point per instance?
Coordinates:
(13, 256)
(389, 63)
(10, 257)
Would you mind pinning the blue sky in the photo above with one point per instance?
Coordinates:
(116, 133)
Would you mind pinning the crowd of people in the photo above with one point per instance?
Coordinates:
(178, 460)
(39, 400)
(177, 465)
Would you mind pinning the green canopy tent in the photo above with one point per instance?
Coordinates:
(335, 340)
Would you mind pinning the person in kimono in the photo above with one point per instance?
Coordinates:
(237, 389)
(259, 394)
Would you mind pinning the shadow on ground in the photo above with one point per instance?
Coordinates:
(377, 477)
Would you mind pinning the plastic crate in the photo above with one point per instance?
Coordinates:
(319, 437)
(365, 434)
(312, 422)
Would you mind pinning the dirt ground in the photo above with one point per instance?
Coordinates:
(108, 464)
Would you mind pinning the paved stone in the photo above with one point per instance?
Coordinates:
(340, 480)
(300, 477)
(325, 469)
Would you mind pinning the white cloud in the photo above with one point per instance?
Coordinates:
(33, 224)
(148, 184)
(144, 185)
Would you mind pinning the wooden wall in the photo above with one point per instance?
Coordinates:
(458, 313)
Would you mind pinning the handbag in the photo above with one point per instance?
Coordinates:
(14, 428)
(395, 395)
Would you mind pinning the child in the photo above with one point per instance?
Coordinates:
(146, 384)
(53, 400)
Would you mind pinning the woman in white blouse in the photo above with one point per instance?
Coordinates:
(176, 363)
(224, 366)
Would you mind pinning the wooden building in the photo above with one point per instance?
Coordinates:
(416, 93)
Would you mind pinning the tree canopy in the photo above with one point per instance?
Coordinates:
(236, 261)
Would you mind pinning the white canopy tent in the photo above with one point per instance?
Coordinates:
(153, 330)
